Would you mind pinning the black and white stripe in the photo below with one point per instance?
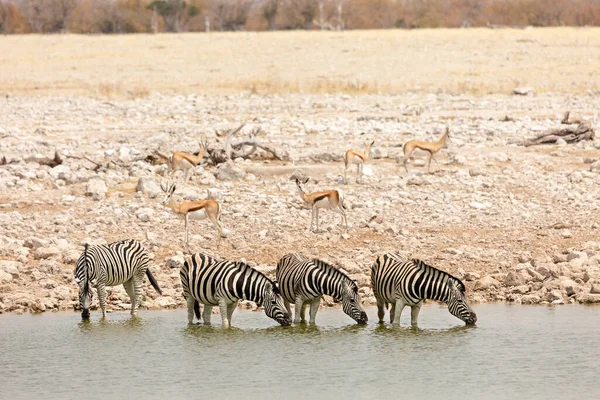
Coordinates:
(403, 282)
(304, 281)
(124, 262)
(212, 282)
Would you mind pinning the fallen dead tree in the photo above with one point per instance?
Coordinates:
(221, 152)
(570, 134)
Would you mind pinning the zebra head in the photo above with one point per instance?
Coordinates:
(82, 279)
(458, 304)
(274, 307)
(351, 302)
(169, 189)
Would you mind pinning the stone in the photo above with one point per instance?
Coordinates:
(471, 276)
(589, 298)
(11, 267)
(523, 91)
(165, 302)
(531, 299)
(96, 188)
(554, 295)
(145, 214)
(34, 242)
(565, 233)
(575, 177)
(514, 278)
(229, 171)
(46, 252)
(569, 286)
(486, 283)
(5, 277)
(175, 261)
(148, 186)
(523, 289)
(595, 288)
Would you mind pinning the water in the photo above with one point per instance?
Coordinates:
(514, 351)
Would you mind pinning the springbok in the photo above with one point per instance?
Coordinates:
(430, 147)
(187, 161)
(198, 210)
(356, 157)
(329, 199)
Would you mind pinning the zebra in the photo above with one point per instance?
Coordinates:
(304, 281)
(123, 262)
(404, 282)
(212, 282)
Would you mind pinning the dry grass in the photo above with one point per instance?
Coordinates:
(475, 61)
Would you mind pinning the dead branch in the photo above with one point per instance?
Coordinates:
(583, 131)
(51, 162)
(566, 119)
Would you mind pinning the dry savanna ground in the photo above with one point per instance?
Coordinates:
(517, 223)
(467, 61)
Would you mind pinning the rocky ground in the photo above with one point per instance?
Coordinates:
(518, 224)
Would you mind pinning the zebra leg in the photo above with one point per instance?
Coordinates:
(287, 307)
(392, 312)
(303, 311)
(314, 307)
(298, 310)
(206, 314)
(230, 309)
(190, 306)
(102, 298)
(137, 292)
(414, 313)
(223, 306)
(380, 310)
(130, 292)
(398, 311)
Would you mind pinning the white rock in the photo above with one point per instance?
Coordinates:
(175, 261)
(96, 188)
(11, 267)
(523, 91)
(148, 186)
(145, 214)
(575, 177)
(477, 205)
(5, 277)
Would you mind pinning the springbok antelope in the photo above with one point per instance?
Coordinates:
(195, 210)
(356, 157)
(186, 161)
(430, 147)
(330, 199)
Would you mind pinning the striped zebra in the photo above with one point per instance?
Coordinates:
(213, 282)
(124, 262)
(405, 282)
(303, 281)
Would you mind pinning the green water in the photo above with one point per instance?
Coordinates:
(513, 352)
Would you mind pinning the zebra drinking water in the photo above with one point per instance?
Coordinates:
(212, 282)
(124, 262)
(303, 281)
(403, 282)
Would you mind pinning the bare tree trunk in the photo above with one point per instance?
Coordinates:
(154, 20)
(207, 24)
(321, 16)
(340, 20)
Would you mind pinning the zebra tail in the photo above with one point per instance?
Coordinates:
(153, 281)
(197, 309)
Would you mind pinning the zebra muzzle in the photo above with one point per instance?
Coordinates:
(85, 314)
(363, 318)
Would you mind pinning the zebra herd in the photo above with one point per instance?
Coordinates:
(302, 281)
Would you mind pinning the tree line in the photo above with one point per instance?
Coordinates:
(138, 16)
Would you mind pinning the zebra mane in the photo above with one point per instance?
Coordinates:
(86, 283)
(329, 267)
(245, 267)
(428, 269)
